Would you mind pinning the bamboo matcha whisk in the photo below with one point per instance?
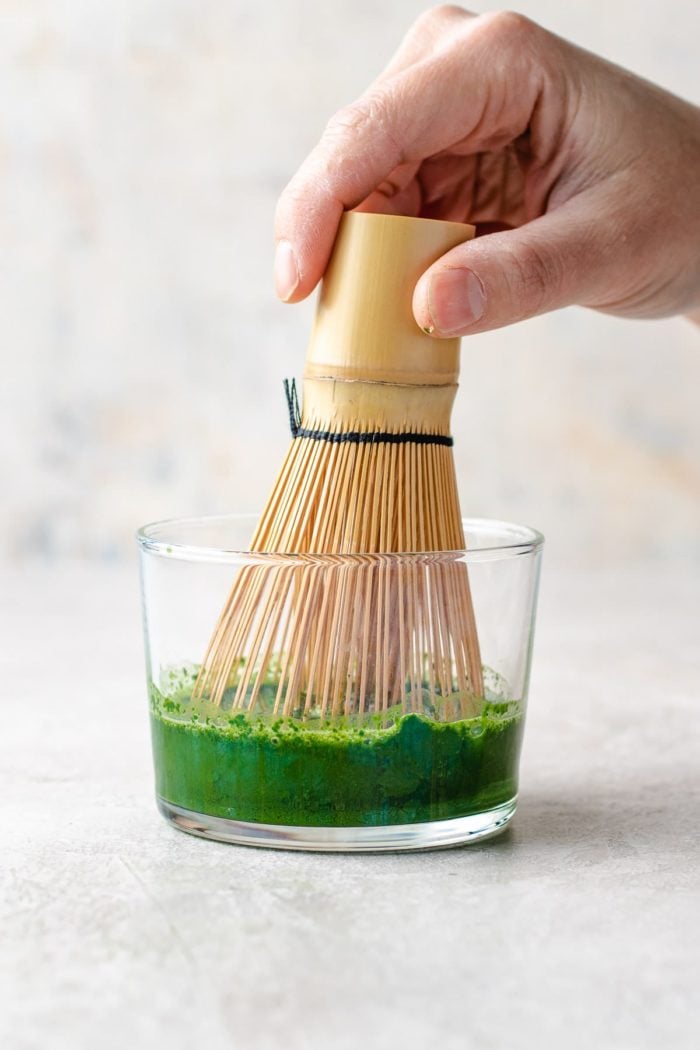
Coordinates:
(369, 472)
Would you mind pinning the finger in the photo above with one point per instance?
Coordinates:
(501, 278)
(459, 94)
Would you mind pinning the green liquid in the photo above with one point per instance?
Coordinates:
(334, 774)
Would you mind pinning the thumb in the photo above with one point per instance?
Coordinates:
(504, 277)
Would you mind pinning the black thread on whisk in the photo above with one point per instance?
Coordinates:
(358, 437)
(290, 391)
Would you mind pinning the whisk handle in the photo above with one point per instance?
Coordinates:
(364, 327)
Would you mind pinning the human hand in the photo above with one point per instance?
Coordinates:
(590, 175)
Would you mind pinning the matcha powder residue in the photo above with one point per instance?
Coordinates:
(292, 773)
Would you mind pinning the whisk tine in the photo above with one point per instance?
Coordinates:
(361, 635)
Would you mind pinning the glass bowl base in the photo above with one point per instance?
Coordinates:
(434, 834)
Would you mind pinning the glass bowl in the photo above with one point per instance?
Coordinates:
(351, 702)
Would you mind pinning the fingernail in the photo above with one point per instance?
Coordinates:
(456, 299)
(286, 270)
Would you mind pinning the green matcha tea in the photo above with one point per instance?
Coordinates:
(367, 771)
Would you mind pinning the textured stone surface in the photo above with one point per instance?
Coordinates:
(577, 929)
(143, 144)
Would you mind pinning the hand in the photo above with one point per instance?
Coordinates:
(590, 175)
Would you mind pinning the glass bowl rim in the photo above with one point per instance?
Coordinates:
(526, 540)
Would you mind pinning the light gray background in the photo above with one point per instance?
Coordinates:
(143, 144)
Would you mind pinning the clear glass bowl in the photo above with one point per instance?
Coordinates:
(340, 718)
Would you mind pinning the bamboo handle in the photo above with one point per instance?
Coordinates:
(364, 327)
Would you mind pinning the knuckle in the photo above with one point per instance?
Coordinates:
(510, 28)
(536, 278)
(369, 117)
(349, 118)
(366, 112)
(442, 16)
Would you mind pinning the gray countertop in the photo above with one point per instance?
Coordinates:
(577, 928)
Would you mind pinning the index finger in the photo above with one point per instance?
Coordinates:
(355, 154)
(456, 94)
